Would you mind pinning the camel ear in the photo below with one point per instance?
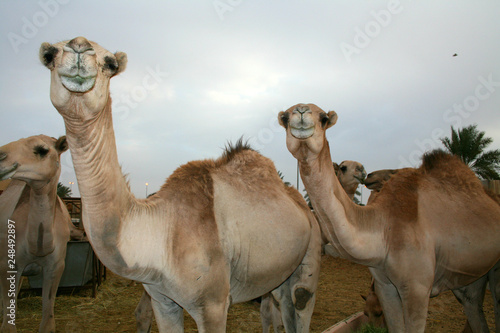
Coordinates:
(47, 55)
(121, 58)
(332, 119)
(283, 119)
(336, 168)
(61, 144)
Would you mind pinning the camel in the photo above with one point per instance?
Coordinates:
(373, 308)
(270, 313)
(35, 223)
(350, 175)
(471, 296)
(431, 229)
(218, 232)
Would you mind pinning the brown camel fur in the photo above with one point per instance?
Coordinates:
(40, 219)
(471, 296)
(218, 232)
(431, 229)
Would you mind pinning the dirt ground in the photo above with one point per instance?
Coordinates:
(341, 284)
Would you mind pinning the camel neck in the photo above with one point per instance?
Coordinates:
(41, 215)
(105, 194)
(341, 219)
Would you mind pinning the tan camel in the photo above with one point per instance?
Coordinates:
(350, 175)
(373, 308)
(431, 229)
(39, 231)
(471, 296)
(270, 313)
(217, 233)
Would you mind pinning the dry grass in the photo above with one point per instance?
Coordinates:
(341, 284)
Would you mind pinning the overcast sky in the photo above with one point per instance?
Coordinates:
(201, 73)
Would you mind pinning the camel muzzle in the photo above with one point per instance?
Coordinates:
(79, 45)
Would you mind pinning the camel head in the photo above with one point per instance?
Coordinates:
(376, 179)
(305, 126)
(373, 309)
(351, 173)
(34, 160)
(80, 74)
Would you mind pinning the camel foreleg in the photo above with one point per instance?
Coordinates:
(51, 278)
(270, 314)
(391, 304)
(472, 297)
(297, 295)
(168, 314)
(494, 280)
(144, 314)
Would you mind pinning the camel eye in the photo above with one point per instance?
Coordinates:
(343, 168)
(41, 151)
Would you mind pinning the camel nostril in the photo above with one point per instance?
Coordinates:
(301, 110)
(79, 45)
(3, 156)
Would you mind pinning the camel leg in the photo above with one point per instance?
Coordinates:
(297, 295)
(51, 277)
(144, 314)
(472, 297)
(415, 300)
(494, 280)
(391, 305)
(169, 316)
(270, 314)
(211, 317)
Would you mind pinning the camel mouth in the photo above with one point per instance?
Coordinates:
(361, 179)
(78, 83)
(9, 173)
(302, 132)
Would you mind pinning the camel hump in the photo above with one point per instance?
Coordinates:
(436, 159)
(449, 168)
(231, 150)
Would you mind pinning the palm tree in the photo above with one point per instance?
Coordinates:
(283, 179)
(63, 191)
(469, 144)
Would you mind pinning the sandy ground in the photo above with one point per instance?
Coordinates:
(341, 284)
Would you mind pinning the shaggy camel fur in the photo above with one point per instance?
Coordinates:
(433, 229)
(40, 224)
(471, 296)
(218, 232)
